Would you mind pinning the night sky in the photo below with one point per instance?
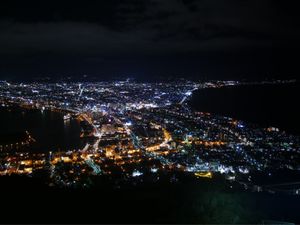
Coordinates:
(190, 38)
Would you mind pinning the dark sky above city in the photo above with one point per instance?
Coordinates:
(145, 38)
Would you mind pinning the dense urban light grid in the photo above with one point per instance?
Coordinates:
(137, 129)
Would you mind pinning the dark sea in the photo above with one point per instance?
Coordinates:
(274, 105)
(48, 128)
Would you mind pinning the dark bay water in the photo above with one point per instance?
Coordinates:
(266, 105)
(48, 128)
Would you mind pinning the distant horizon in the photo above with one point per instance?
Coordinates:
(152, 78)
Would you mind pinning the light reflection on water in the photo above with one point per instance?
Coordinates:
(49, 129)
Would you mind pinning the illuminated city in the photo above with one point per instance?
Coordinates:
(149, 112)
(136, 129)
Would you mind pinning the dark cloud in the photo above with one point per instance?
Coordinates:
(153, 32)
